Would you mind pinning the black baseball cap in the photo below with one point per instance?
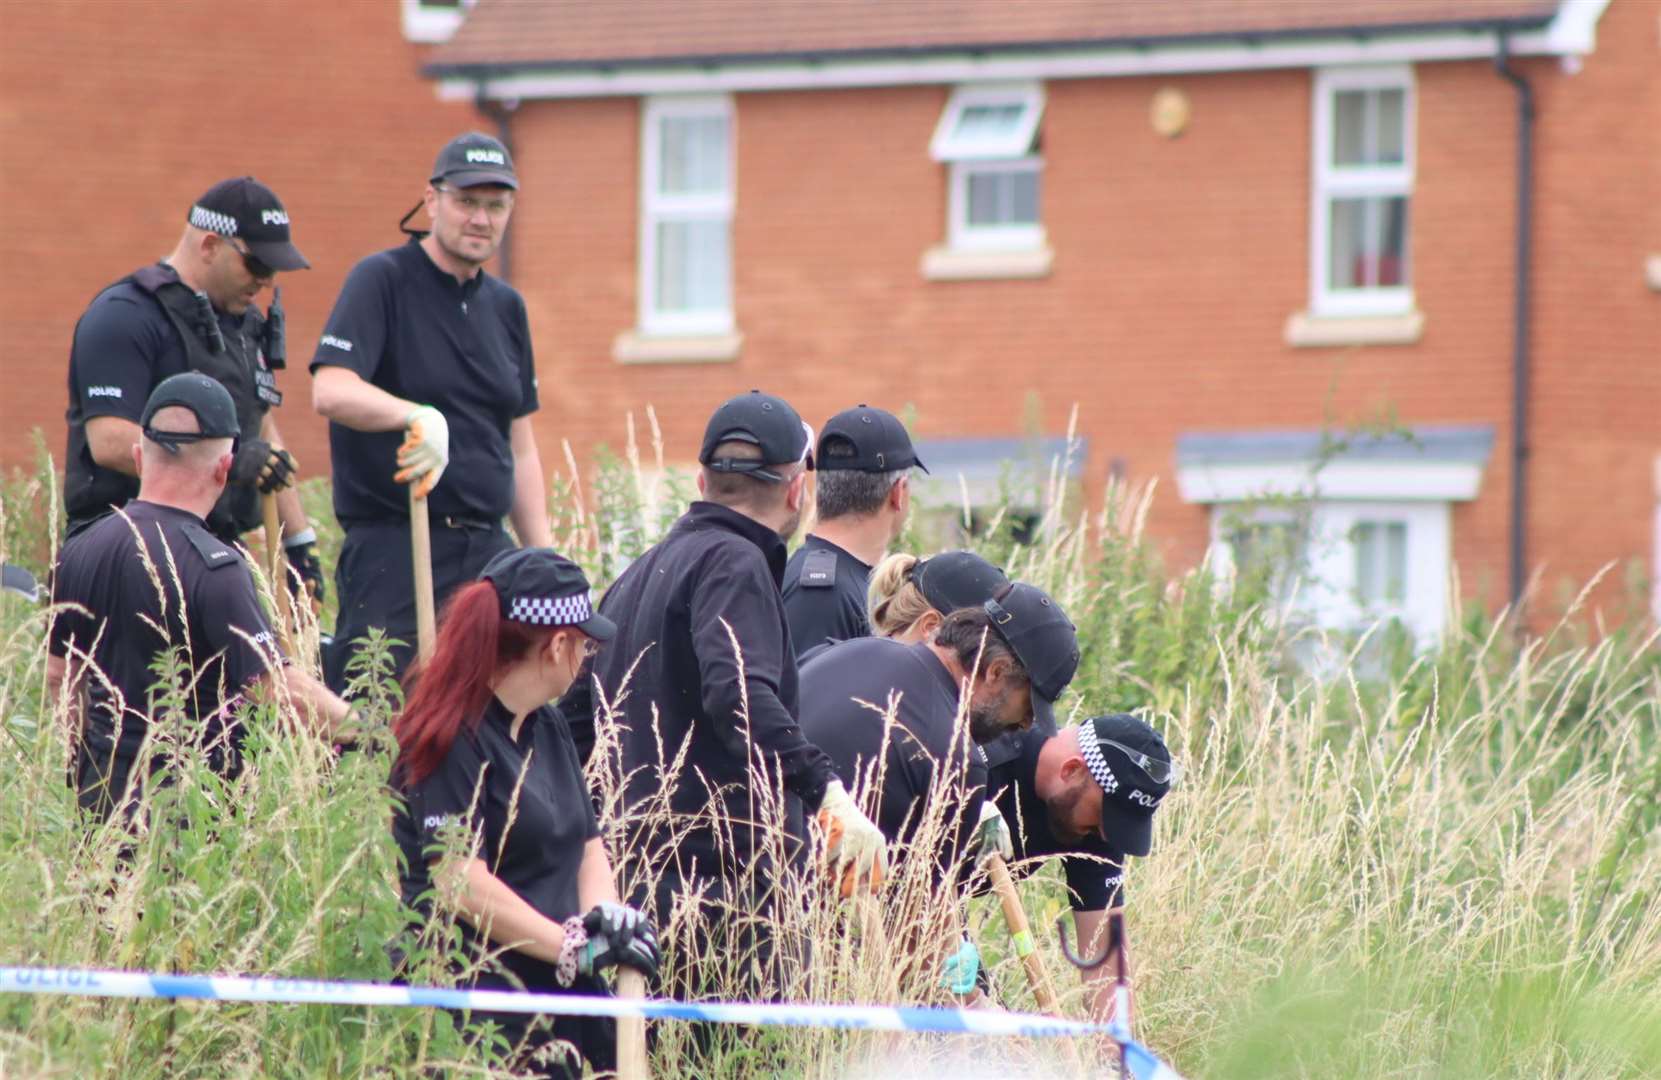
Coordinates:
(956, 579)
(248, 210)
(1124, 756)
(209, 401)
(863, 439)
(473, 159)
(1041, 636)
(540, 587)
(764, 421)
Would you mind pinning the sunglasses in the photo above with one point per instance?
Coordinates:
(251, 261)
(1160, 772)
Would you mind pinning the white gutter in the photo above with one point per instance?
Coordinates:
(1572, 32)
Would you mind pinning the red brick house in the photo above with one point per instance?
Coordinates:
(1226, 230)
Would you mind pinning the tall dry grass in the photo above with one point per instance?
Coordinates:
(1432, 863)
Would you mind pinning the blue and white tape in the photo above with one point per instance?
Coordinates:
(137, 984)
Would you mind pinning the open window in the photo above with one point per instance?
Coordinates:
(988, 139)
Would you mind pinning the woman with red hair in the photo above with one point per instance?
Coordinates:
(496, 822)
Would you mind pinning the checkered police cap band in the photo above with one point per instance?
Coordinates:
(213, 221)
(1091, 751)
(551, 610)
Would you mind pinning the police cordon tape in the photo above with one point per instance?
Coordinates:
(137, 984)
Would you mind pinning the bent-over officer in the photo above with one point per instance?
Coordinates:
(150, 578)
(481, 750)
(704, 654)
(1087, 794)
(1014, 655)
(862, 495)
(426, 374)
(192, 311)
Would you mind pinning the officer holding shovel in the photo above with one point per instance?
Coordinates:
(426, 374)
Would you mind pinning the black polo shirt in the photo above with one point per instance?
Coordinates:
(839, 686)
(102, 569)
(408, 327)
(824, 595)
(1094, 869)
(552, 818)
(716, 569)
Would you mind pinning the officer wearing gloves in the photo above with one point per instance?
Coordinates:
(192, 311)
(686, 692)
(1086, 794)
(861, 499)
(149, 578)
(426, 374)
(1013, 656)
(482, 753)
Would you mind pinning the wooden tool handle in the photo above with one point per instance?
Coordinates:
(1020, 931)
(421, 554)
(277, 572)
(631, 1030)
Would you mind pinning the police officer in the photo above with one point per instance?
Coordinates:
(910, 597)
(152, 577)
(426, 374)
(482, 751)
(703, 666)
(861, 500)
(1015, 654)
(1087, 794)
(192, 311)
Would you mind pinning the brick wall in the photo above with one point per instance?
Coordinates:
(114, 116)
(1176, 261)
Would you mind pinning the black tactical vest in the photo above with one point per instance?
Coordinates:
(90, 490)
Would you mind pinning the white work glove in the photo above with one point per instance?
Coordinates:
(425, 451)
(853, 845)
(992, 835)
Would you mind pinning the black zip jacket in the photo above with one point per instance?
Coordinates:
(716, 565)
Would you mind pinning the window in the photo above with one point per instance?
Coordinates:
(987, 137)
(433, 21)
(1380, 564)
(686, 216)
(1363, 192)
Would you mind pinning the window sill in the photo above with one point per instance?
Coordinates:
(955, 264)
(1652, 272)
(1304, 330)
(634, 347)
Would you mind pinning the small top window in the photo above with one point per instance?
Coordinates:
(988, 123)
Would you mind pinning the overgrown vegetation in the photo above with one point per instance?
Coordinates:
(1439, 862)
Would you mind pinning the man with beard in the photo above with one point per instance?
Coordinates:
(426, 375)
(1012, 656)
(1087, 794)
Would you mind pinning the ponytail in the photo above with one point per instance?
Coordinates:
(894, 600)
(448, 693)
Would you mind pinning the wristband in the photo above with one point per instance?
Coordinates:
(565, 972)
(301, 538)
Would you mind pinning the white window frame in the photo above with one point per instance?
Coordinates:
(963, 236)
(656, 207)
(1330, 183)
(1326, 589)
(1009, 153)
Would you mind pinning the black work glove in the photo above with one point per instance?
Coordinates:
(619, 934)
(259, 464)
(303, 558)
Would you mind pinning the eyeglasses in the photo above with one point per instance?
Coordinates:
(495, 208)
(1160, 772)
(251, 261)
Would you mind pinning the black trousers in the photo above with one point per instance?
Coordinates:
(375, 579)
(533, 1036)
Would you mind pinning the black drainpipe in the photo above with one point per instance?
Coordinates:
(1520, 312)
(502, 113)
